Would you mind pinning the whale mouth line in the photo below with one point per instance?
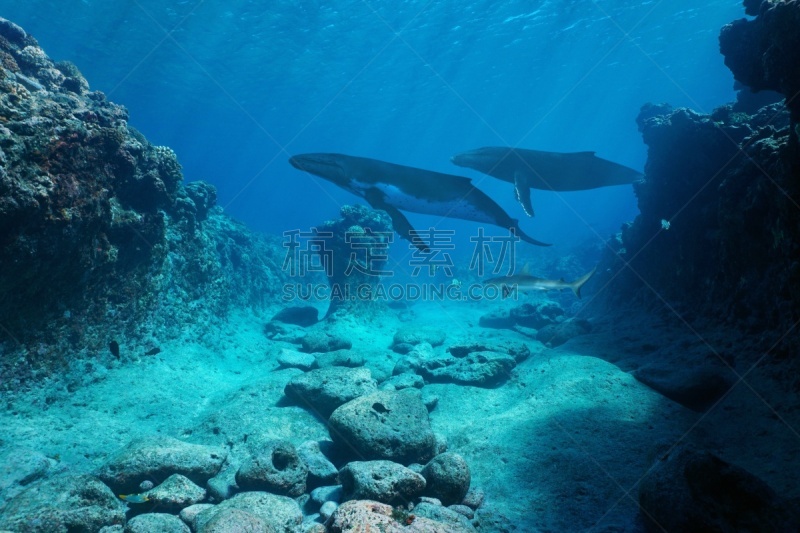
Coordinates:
(312, 164)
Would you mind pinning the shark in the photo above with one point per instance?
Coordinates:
(525, 283)
(549, 171)
(395, 188)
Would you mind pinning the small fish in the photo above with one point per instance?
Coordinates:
(114, 347)
(134, 498)
(153, 351)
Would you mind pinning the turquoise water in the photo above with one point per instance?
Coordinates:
(235, 87)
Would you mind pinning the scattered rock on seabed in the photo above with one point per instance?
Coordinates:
(383, 481)
(323, 390)
(409, 336)
(447, 478)
(533, 315)
(272, 512)
(390, 425)
(175, 493)
(320, 469)
(321, 341)
(476, 364)
(161, 522)
(158, 457)
(275, 468)
(365, 515)
(63, 503)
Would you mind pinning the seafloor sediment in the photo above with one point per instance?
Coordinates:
(146, 351)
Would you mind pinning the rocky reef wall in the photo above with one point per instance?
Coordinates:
(717, 237)
(99, 237)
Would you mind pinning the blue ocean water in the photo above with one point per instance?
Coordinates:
(569, 412)
(236, 87)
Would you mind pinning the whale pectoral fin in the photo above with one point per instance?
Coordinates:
(521, 234)
(522, 192)
(400, 223)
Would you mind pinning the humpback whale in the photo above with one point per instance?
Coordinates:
(549, 171)
(395, 188)
(524, 282)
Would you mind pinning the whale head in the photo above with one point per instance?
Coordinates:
(482, 159)
(332, 167)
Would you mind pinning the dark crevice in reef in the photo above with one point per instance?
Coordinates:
(717, 237)
(99, 238)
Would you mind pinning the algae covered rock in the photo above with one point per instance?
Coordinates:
(404, 380)
(293, 359)
(154, 458)
(447, 478)
(411, 335)
(340, 358)
(383, 481)
(161, 522)
(276, 468)
(19, 467)
(473, 364)
(175, 493)
(324, 389)
(329, 493)
(450, 518)
(189, 514)
(365, 515)
(234, 520)
(390, 425)
(320, 469)
(481, 369)
(274, 513)
(320, 341)
(61, 504)
(533, 315)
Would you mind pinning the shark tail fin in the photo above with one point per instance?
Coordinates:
(578, 283)
(510, 291)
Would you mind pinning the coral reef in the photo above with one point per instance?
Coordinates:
(358, 245)
(99, 238)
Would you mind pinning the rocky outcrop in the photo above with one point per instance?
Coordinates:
(100, 239)
(762, 53)
(689, 490)
(354, 254)
(716, 236)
